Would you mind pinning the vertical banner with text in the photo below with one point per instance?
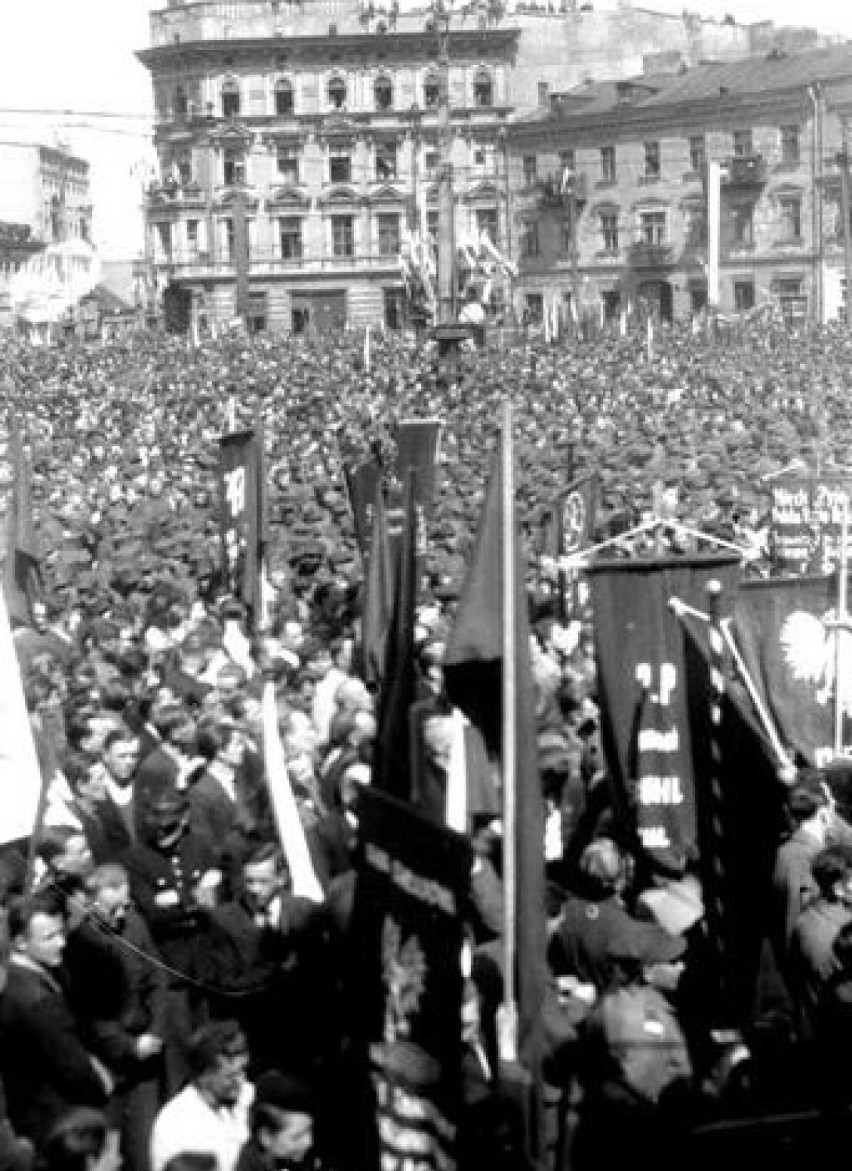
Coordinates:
(413, 879)
(642, 691)
(240, 495)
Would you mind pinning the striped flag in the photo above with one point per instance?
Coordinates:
(20, 777)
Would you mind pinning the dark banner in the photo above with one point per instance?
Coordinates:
(806, 522)
(642, 689)
(785, 633)
(362, 481)
(570, 522)
(417, 451)
(239, 476)
(413, 878)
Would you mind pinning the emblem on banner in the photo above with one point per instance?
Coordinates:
(574, 521)
(809, 644)
(404, 975)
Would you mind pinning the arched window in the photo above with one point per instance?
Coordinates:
(230, 99)
(337, 93)
(180, 102)
(284, 98)
(383, 93)
(483, 89)
(431, 90)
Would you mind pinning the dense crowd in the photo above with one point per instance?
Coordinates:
(162, 981)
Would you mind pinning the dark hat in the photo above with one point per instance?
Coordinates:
(283, 1092)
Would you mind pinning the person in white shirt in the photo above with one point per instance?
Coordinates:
(210, 1115)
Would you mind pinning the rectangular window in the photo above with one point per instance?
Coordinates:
(385, 161)
(230, 238)
(430, 162)
(568, 160)
(343, 235)
(695, 227)
(340, 167)
(164, 239)
(290, 237)
(743, 143)
(609, 231)
(530, 170)
(192, 239)
(433, 221)
(233, 167)
(287, 161)
(529, 240)
(483, 156)
(486, 223)
(608, 164)
(791, 217)
(652, 160)
(184, 169)
(566, 238)
(790, 145)
(652, 227)
(388, 229)
(743, 296)
(743, 224)
(697, 153)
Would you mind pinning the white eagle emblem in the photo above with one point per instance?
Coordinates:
(810, 650)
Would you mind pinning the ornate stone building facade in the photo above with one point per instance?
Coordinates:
(304, 140)
(610, 197)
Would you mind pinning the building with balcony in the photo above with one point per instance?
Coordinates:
(297, 143)
(629, 160)
(47, 189)
(297, 139)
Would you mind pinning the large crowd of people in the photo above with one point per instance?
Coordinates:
(167, 999)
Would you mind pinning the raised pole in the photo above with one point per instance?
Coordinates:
(509, 1031)
(841, 629)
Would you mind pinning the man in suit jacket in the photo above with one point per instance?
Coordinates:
(270, 950)
(44, 1064)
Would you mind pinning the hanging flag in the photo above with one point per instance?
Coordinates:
(378, 596)
(392, 771)
(784, 628)
(574, 516)
(407, 934)
(417, 446)
(740, 806)
(362, 481)
(474, 666)
(291, 832)
(22, 583)
(644, 723)
(241, 515)
(20, 776)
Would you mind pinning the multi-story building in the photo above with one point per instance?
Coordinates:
(297, 139)
(304, 140)
(610, 198)
(46, 188)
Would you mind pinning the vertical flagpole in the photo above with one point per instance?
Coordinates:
(840, 630)
(509, 1030)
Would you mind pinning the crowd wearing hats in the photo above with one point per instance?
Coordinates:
(161, 981)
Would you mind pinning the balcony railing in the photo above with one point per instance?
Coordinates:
(160, 193)
(643, 254)
(201, 267)
(745, 171)
(557, 191)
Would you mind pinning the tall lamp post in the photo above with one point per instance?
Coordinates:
(448, 332)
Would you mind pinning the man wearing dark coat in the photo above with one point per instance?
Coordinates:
(43, 1062)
